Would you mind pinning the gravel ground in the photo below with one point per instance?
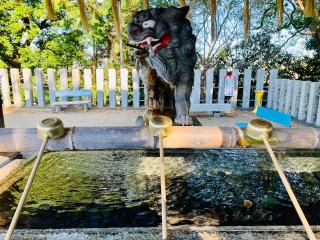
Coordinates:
(29, 117)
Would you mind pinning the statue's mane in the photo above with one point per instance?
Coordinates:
(182, 39)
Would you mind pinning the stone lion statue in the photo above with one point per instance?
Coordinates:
(166, 59)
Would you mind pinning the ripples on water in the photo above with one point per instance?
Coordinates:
(122, 189)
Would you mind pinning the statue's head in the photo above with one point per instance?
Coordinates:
(156, 28)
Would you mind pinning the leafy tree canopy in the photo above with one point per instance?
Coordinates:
(29, 39)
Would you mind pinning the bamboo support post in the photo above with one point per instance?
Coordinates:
(261, 130)
(289, 191)
(163, 190)
(50, 128)
(26, 190)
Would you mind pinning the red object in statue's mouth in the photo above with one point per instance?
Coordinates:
(155, 44)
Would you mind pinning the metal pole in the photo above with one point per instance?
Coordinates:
(289, 190)
(163, 190)
(26, 190)
(1, 113)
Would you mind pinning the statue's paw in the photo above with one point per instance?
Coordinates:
(183, 120)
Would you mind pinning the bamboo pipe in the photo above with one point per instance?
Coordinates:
(213, 12)
(83, 15)
(280, 12)
(195, 137)
(50, 9)
(116, 18)
(146, 4)
(246, 20)
(99, 138)
(120, 34)
(310, 8)
(182, 3)
(289, 191)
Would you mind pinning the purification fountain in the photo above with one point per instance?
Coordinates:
(216, 176)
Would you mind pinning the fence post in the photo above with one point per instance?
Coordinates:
(305, 91)
(136, 88)
(318, 113)
(289, 94)
(63, 82)
(100, 87)
(5, 87)
(28, 93)
(259, 83)
(246, 88)
(75, 75)
(124, 87)
(39, 85)
(272, 79)
(52, 84)
(295, 98)
(195, 95)
(15, 81)
(312, 104)
(275, 95)
(209, 85)
(1, 115)
(234, 99)
(222, 74)
(282, 96)
(87, 77)
(112, 87)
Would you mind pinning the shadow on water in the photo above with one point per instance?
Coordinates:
(205, 188)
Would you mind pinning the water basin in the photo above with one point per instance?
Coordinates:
(98, 189)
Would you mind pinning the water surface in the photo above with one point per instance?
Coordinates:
(122, 189)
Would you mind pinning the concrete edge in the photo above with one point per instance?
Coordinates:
(10, 173)
(181, 232)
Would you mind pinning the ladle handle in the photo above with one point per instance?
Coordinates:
(289, 190)
(163, 190)
(26, 190)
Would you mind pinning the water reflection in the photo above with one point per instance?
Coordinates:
(122, 189)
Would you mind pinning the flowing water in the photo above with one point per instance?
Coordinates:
(122, 189)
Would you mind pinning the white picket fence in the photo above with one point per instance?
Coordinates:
(114, 89)
(24, 88)
(300, 99)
